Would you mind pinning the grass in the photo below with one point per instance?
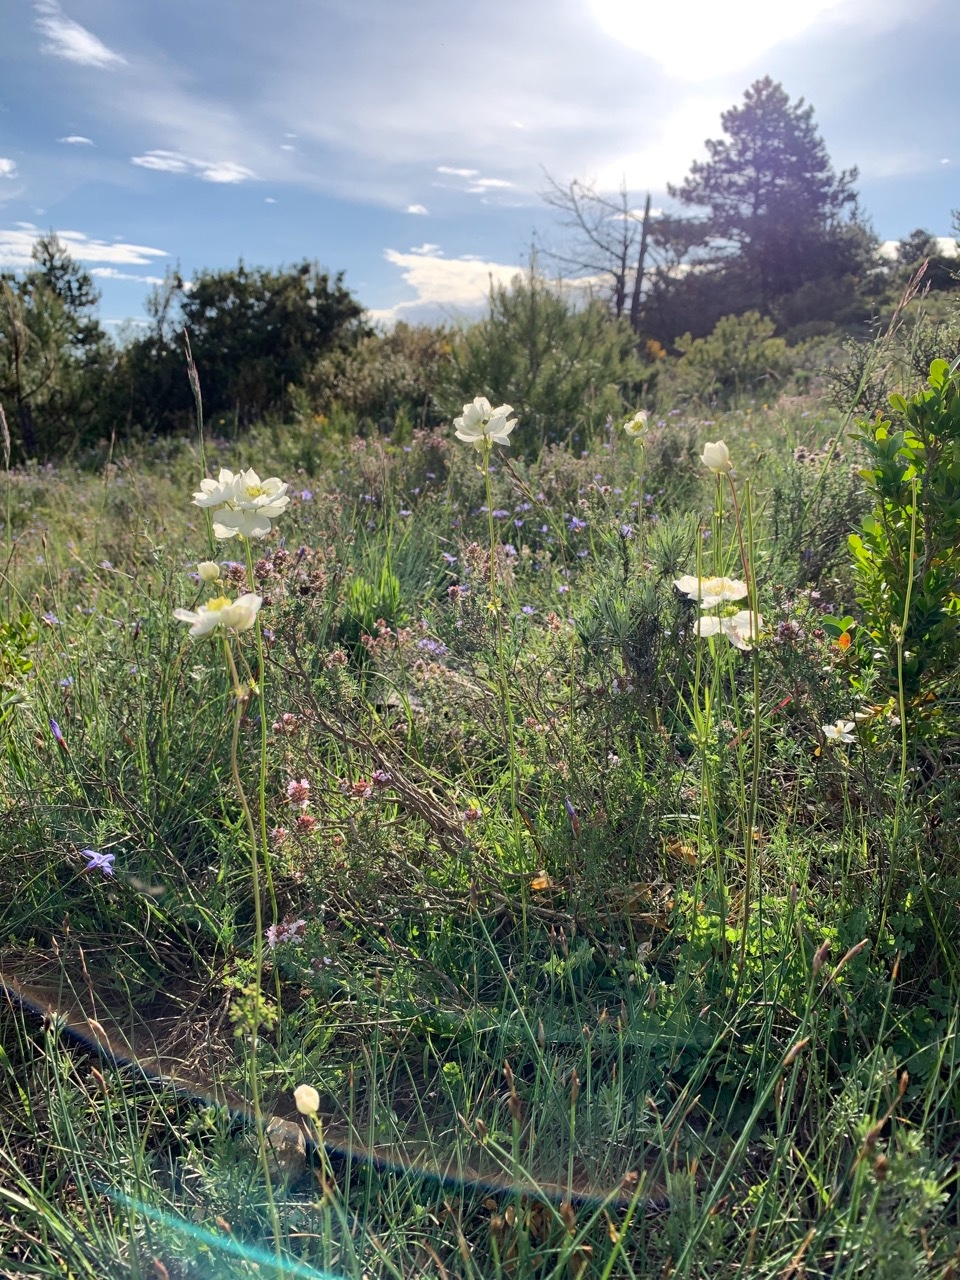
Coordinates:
(603, 961)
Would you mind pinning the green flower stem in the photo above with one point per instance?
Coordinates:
(901, 638)
(753, 799)
(703, 724)
(262, 781)
(262, 1145)
(495, 604)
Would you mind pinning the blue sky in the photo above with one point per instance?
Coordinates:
(406, 142)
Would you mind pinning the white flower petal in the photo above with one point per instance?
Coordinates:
(708, 626)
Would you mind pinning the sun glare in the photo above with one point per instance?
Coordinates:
(695, 39)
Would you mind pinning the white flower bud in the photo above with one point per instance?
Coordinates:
(307, 1099)
(716, 457)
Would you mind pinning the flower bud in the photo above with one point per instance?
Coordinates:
(307, 1099)
(208, 570)
(716, 457)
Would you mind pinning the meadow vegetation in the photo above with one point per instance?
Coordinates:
(530, 859)
(482, 800)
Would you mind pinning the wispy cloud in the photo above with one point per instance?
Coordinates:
(417, 208)
(442, 284)
(64, 38)
(76, 140)
(223, 171)
(17, 242)
(7, 168)
(457, 173)
(111, 273)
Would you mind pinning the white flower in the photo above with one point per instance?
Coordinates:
(637, 425)
(213, 493)
(482, 426)
(839, 731)
(710, 591)
(236, 615)
(738, 629)
(307, 1099)
(716, 456)
(243, 503)
(208, 570)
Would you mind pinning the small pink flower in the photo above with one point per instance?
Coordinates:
(287, 931)
(305, 824)
(298, 793)
(278, 835)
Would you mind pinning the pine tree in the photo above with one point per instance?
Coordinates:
(775, 204)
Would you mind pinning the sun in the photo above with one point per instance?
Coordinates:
(697, 39)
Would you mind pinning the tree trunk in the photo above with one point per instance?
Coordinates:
(641, 268)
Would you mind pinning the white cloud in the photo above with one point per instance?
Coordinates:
(443, 283)
(64, 38)
(287, 146)
(222, 171)
(374, 125)
(17, 243)
(946, 247)
(76, 140)
(111, 273)
(269, 200)
(7, 168)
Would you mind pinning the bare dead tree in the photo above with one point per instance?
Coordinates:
(611, 241)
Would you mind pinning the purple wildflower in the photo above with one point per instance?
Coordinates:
(435, 647)
(98, 861)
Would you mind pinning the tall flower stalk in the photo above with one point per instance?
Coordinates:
(483, 427)
(241, 505)
(742, 631)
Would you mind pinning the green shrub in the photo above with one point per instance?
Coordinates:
(563, 368)
(740, 355)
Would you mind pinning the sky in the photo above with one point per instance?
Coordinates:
(408, 143)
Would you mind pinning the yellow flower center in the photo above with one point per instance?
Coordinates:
(254, 490)
(218, 603)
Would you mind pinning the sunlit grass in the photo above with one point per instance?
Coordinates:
(584, 931)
